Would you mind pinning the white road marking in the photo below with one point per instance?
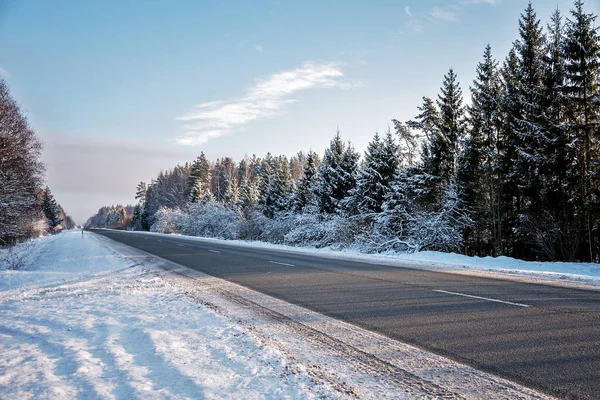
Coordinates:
(214, 251)
(280, 263)
(483, 298)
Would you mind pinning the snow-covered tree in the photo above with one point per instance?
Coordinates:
(337, 175)
(306, 186)
(582, 90)
(199, 180)
(21, 172)
(375, 177)
(476, 176)
(51, 209)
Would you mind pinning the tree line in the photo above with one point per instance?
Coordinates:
(516, 172)
(27, 207)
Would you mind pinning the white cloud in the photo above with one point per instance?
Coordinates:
(414, 26)
(4, 72)
(407, 11)
(443, 14)
(258, 48)
(263, 100)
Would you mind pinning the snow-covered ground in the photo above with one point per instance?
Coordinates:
(90, 318)
(588, 273)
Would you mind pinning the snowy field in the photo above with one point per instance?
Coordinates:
(88, 318)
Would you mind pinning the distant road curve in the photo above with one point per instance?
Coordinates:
(541, 336)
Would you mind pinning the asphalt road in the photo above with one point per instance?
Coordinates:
(541, 336)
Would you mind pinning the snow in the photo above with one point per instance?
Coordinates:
(87, 317)
(83, 321)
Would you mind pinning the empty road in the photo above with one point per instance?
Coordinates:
(541, 336)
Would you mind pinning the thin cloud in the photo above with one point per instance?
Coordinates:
(411, 24)
(258, 48)
(265, 99)
(414, 26)
(4, 72)
(490, 2)
(443, 14)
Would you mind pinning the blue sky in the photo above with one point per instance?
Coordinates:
(120, 89)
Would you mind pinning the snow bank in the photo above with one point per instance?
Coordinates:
(82, 321)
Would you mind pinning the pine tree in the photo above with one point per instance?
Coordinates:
(476, 178)
(306, 186)
(266, 172)
(507, 154)
(328, 189)
(297, 163)
(381, 163)
(532, 139)
(552, 229)
(200, 180)
(249, 192)
(451, 130)
(140, 192)
(277, 188)
(51, 209)
(136, 219)
(428, 121)
(408, 142)
(582, 54)
(554, 158)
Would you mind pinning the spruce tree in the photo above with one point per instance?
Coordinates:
(199, 180)
(408, 142)
(508, 205)
(140, 192)
(306, 186)
(532, 139)
(428, 122)
(582, 54)
(381, 163)
(51, 209)
(328, 190)
(451, 130)
(476, 178)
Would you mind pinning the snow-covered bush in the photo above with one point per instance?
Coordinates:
(406, 226)
(166, 221)
(254, 223)
(18, 256)
(308, 228)
(209, 220)
(320, 230)
(37, 228)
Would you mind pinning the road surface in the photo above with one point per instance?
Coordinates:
(542, 336)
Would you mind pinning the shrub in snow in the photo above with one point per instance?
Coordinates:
(210, 220)
(308, 228)
(406, 226)
(254, 223)
(37, 228)
(166, 221)
(552, 240)
(17, 256)
(311, 228)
